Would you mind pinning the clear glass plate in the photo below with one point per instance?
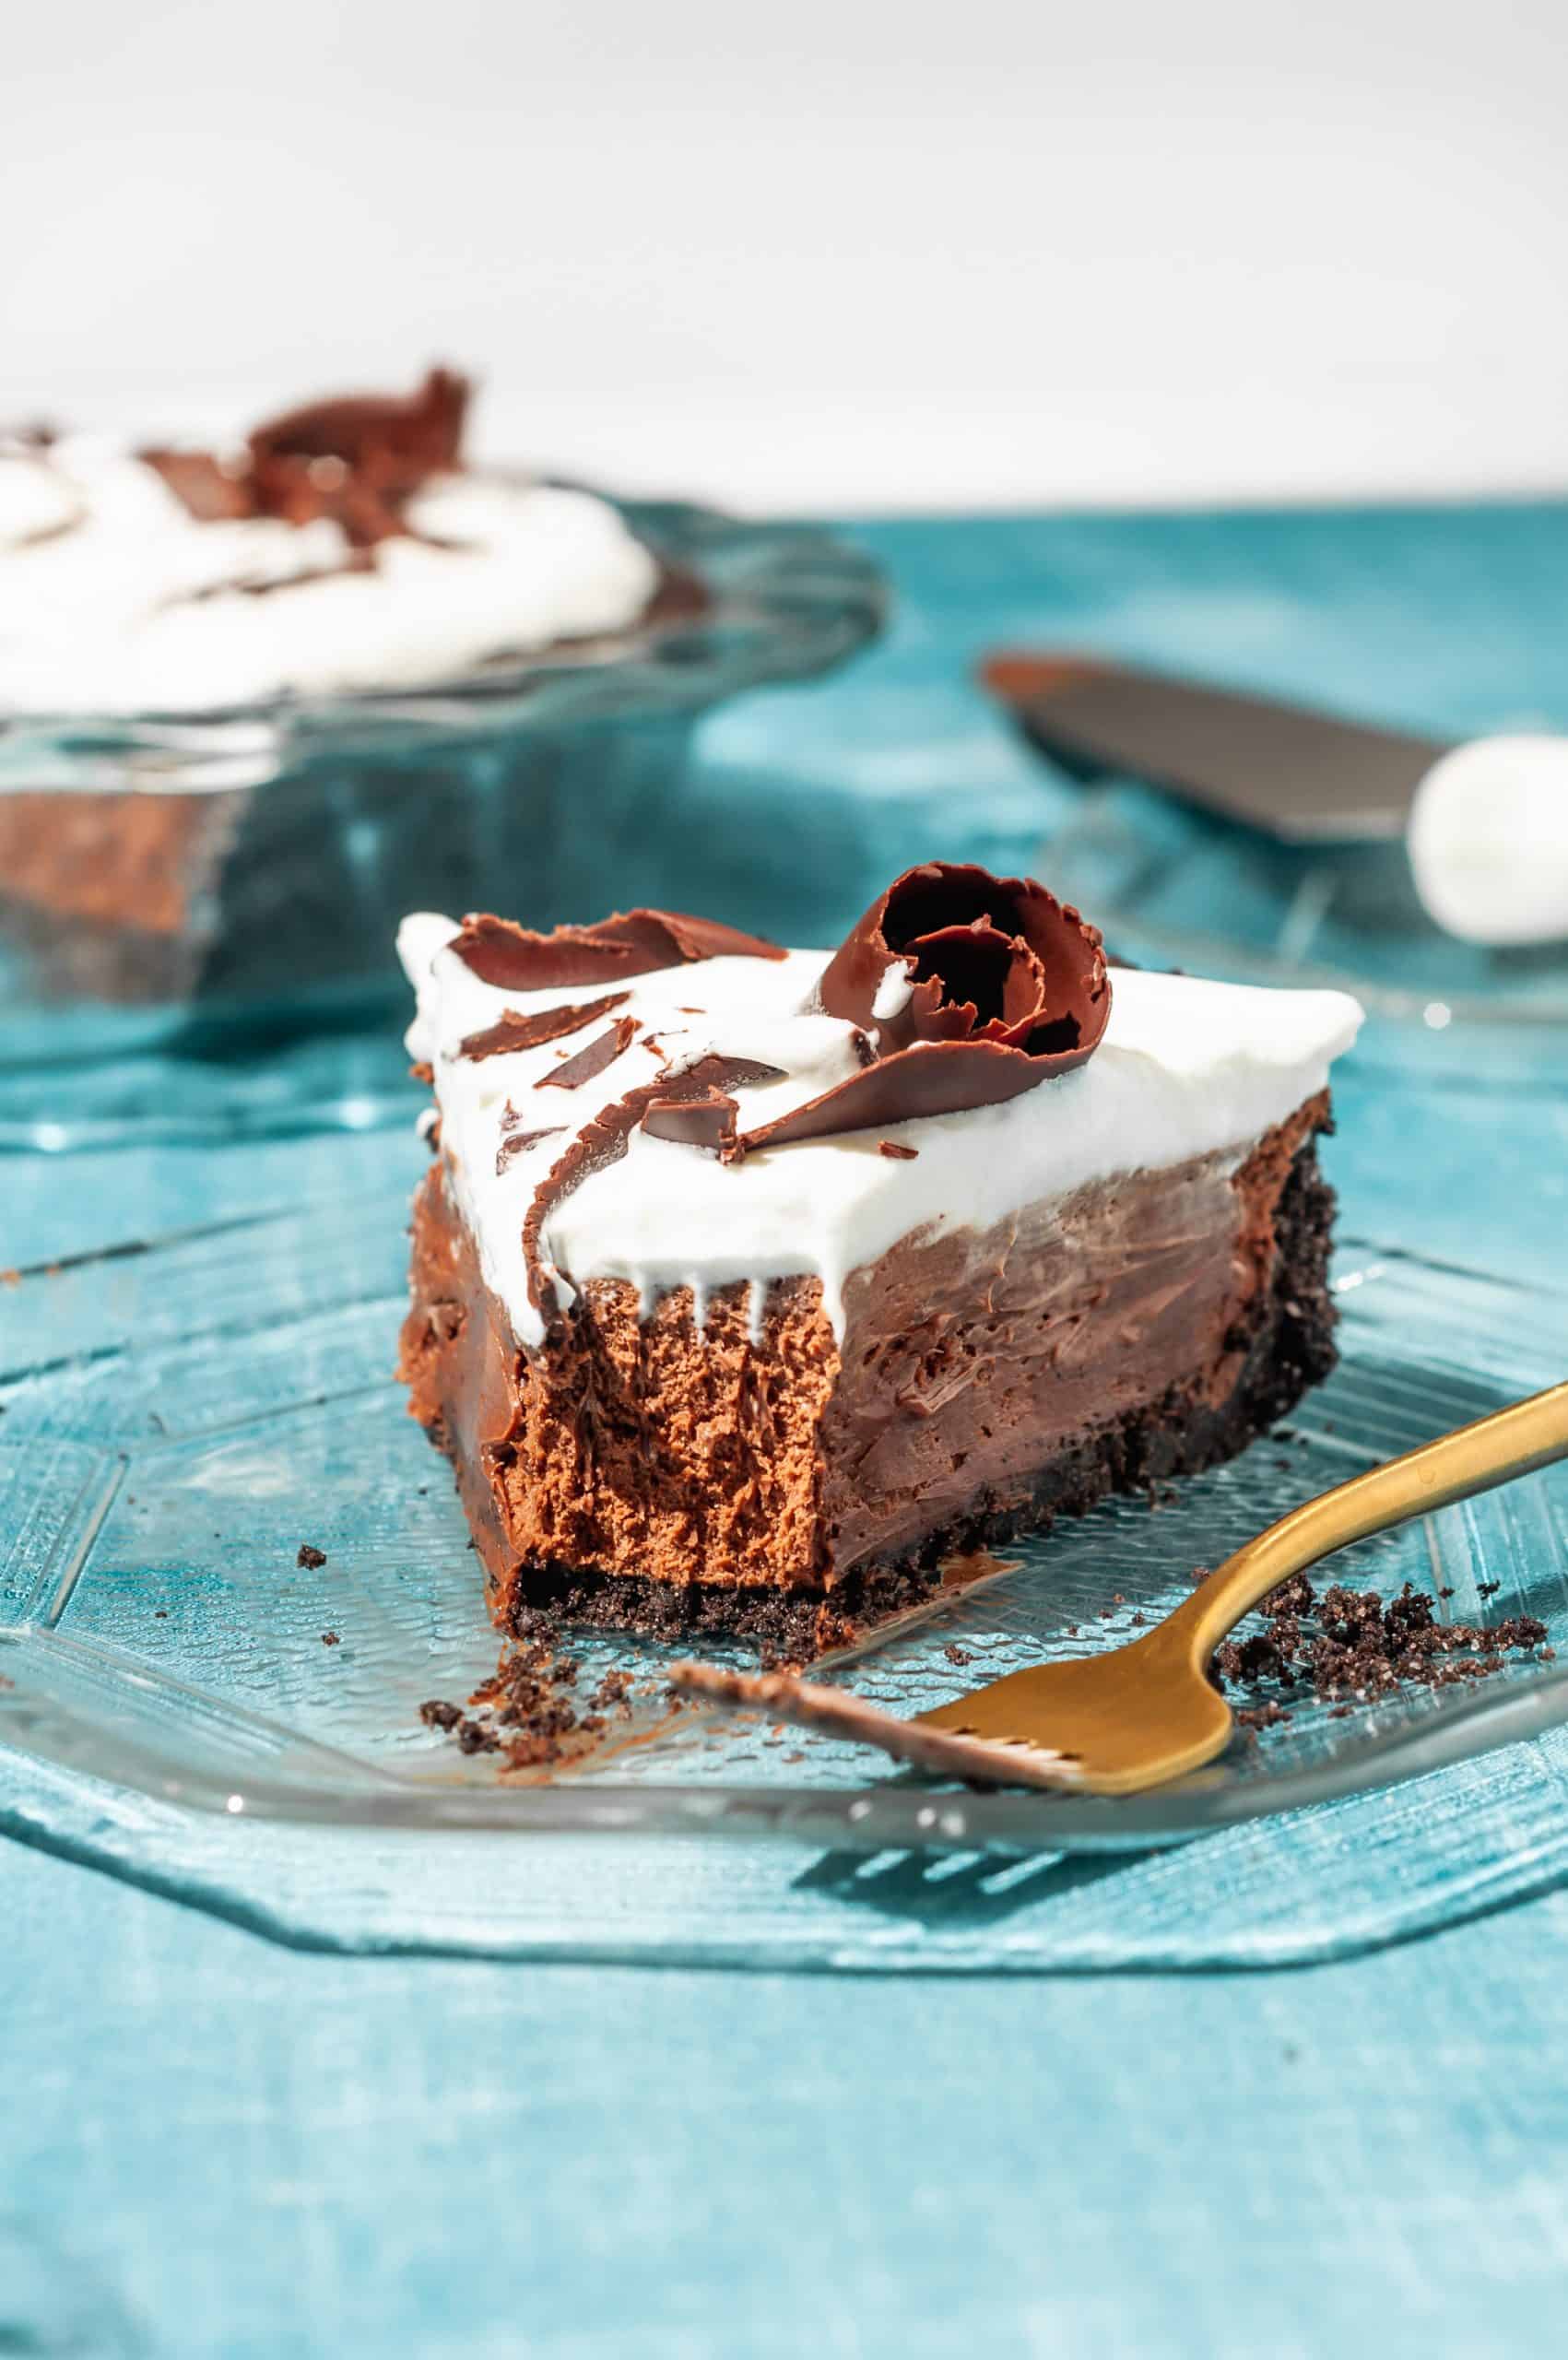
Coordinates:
(178, 1418)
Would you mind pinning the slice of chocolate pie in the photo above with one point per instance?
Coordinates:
(748, 1284)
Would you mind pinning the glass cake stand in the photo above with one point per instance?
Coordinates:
(296, 837)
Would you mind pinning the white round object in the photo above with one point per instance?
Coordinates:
(1488, 841)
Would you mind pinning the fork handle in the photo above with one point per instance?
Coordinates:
(1527, 1435)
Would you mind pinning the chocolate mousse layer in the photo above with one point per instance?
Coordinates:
(766, 1480)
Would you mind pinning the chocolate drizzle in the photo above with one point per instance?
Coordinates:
(636, 942)
(604, 1141)
(358, 459)
(988, 986)
(513, 1029)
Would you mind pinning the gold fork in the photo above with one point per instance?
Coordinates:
(1111, 1724)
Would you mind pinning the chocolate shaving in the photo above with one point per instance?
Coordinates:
(634, 942)
(399, 439)
(513, 1029)
(704, 1115)
(211, 491)
(591, 1061)
(708, 1121)
(892, 1148)
(1004, 987)
(357, 459)
(519, 1142)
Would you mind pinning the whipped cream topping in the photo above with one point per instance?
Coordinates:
(1185, 1069)
(115, 600)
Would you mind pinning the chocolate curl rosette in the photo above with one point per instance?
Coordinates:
(968, 988)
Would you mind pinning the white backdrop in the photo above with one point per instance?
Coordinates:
(821, 255)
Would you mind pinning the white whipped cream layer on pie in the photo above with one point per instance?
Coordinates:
(115, 600)
(1185, 1069)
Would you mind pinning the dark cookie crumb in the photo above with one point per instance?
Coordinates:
(1261, 1716)
(309, 1557)
(955, 1654)
(1348, 1646)
(612, 1694)
(523, 1711)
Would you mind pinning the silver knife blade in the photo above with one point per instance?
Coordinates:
(1303, 777)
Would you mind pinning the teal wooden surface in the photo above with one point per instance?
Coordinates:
(222, 2147)
(211, 2143)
